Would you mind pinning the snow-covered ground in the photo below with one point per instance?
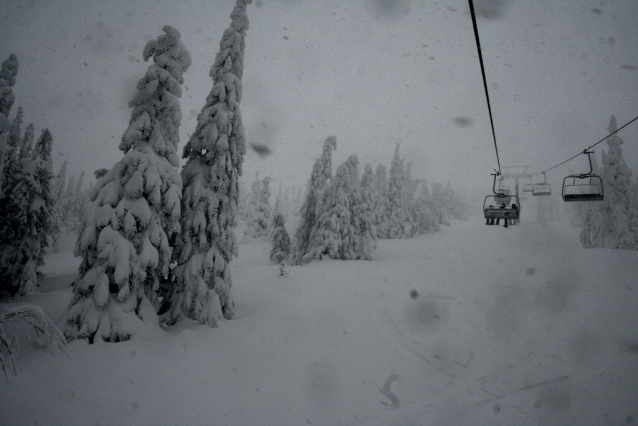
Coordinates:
(474, 325)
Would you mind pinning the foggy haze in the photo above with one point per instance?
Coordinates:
(373, 73)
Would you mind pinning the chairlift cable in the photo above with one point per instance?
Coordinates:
(584, 151)
(487, 94)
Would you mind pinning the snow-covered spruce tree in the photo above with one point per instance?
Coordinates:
(57, 191)
(633, 213)
(47, 216)
(12, 155)
(279, 241)
(381, 217)
(335, 233)
(440, 203)
(124, 239)
(278, 207)
(14, 137)
(7, 98)
(363, 213)
(215, 155)
(614, 209)
(259, 220)
(28, 220)
(424, 211)
(401, 223)
(317, 184)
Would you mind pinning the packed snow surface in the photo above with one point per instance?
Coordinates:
(473, 325)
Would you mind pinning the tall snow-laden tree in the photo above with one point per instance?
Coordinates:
(259, 220)
(633, 214)
(215, 155)
(335, 233)
(616, 177)
(134, 209)
(440, 201)
(381, 218)
(363, 213)
(401, 223)
(279, 240)
(28, 221)
(14, 137)
(47, 213)
(608, 223)
(317, 184)
(7, 98)
(12, 156)
(425, 212)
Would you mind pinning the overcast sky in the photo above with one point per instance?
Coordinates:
(370, 72)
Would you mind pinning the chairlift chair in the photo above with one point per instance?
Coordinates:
(583, 187)
(495, 207)
(502, 204)
(542, 188)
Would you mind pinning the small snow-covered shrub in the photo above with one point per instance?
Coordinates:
(47, 335)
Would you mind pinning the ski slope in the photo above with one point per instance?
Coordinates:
(473, 325)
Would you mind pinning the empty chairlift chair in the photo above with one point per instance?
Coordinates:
(583, 187)
(542, 188)
(528, 187)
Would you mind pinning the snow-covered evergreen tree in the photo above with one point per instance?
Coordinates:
(278, 207)
(27, 220)
(440, 200)
(279, 241)
(608, 223)
(26, 145)
(60, 181)
(616, 177)
(124, 240)
(336, 233)
(381, 216)
(47, 216)
(363, 213)
(7, 98)
(259, 219)
(317, 184)
(633, 214)
(215, 155)
(401, 223)
(14, 138)
(425, 215)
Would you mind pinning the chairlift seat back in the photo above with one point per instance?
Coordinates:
(582, 188)
(541, 189)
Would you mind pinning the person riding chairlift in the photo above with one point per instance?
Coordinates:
(510, 220)
(490, 220)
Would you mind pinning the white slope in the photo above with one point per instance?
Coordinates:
(516, 326)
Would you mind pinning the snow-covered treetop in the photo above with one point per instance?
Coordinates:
(231, 54)
(7, 80)
(322, 170)
(156, 114)
(367, 179)
(169, 53)
(43, 146)
(220, 131)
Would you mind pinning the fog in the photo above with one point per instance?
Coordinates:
(373, 73)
